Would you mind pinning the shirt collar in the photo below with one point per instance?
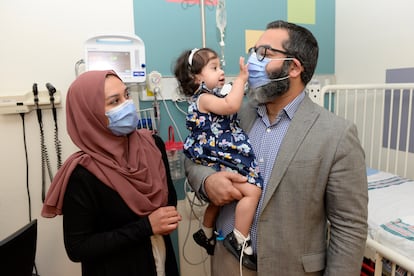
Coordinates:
(290, 109)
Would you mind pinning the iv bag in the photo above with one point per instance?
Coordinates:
(221, 16)
(221, 22)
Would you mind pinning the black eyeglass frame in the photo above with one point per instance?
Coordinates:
(267, 47)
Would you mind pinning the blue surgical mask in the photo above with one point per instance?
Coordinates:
(123, 119)
(257, 71)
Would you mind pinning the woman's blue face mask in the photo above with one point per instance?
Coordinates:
(123, 119)
(257, 71)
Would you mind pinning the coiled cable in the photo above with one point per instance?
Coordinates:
(58, 144)
(43, 148)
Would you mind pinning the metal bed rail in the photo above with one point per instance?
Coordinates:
(384, 118)
(385, 123)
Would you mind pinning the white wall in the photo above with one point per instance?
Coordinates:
(372, 36)
(41, 41)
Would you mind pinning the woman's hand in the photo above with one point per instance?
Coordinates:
(164, 220)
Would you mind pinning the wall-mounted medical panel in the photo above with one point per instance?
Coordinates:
(15, 103)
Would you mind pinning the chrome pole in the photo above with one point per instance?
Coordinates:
(203, 23)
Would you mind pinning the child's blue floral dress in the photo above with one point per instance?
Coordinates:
(218, 141)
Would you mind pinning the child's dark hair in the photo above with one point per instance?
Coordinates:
(185, 72)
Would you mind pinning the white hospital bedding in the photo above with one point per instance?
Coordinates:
(391, 211)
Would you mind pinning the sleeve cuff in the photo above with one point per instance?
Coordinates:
(202, 192)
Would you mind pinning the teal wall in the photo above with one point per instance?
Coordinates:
(168, 28)
(165, 122)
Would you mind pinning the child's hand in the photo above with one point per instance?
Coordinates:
(244, 73)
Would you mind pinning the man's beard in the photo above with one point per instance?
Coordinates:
(272, 90)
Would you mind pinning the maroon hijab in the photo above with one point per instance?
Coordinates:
(131, 165)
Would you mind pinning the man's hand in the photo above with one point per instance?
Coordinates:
(221, 188)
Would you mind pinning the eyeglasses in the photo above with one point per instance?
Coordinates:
(261, 51)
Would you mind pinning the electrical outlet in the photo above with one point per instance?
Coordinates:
(314, 91)
(314, 87)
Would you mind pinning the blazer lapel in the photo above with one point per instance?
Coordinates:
(302, 121)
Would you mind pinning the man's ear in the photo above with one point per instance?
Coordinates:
(296, 68)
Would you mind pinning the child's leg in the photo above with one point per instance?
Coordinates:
(210, 215)
(246, 207)
(209, 219)
(205, 236)
(238, 242)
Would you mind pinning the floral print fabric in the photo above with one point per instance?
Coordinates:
(218, 141)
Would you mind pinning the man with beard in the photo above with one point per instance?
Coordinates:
(312, 216)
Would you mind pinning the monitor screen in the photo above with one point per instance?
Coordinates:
(120, 62)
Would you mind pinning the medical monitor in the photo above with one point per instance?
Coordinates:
(125, 54)
(18, 251)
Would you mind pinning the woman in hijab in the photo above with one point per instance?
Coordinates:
(115, 194)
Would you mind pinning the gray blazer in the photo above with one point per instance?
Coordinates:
(319, 175)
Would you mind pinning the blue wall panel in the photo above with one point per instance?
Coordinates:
(168, 28)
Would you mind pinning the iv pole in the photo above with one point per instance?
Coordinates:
(203, 23)
(203, 27)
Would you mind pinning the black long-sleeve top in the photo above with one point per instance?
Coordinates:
(103, 233)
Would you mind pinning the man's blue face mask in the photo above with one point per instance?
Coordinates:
(123, 119)
(257, 71)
